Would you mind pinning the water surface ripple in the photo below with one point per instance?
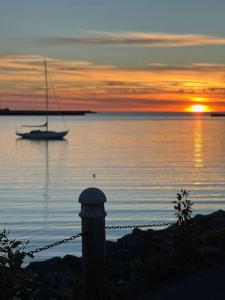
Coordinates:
(140, 160)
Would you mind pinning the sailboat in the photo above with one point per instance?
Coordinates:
(43, 134)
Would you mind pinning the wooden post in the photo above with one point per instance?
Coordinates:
(93, 244)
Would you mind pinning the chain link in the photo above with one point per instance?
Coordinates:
(73, 237)
(138, 226)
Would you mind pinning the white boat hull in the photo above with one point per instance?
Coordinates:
(40, 134)
(43, 135)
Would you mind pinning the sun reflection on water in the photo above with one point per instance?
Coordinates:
(198, 145)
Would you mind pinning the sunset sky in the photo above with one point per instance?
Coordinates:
(114, 55)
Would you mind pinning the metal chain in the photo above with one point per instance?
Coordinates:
(73, 237)
(138, 226)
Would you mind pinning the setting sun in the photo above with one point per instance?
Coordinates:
(198, 108)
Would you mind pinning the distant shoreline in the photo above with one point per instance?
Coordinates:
(8, 112)
(217, 114)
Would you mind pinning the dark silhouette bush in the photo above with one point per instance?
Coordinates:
(14, 280)
(183, 208)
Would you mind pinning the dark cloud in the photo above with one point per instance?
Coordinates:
(139, 39)
(115, 83)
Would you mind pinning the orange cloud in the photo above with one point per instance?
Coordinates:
(84, 85)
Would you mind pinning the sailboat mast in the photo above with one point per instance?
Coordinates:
(46, 93)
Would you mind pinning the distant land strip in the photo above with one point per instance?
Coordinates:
(218, 114)
(8, 112)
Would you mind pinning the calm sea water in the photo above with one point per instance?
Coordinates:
(140, 160)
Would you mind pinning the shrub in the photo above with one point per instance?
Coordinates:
(14, 280)
(186, 239)
(183, 207)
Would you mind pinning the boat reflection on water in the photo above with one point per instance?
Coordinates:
(40, 158)
(46, 186)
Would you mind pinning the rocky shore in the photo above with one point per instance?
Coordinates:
(138, 261)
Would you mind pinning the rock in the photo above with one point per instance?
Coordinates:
(123, 255)
(47, 264)
(214, 251)
(145, 234)
(215, 220)
(48, 293)
(218, 223)
(73, 262)
(118, 254)
(136, 281)
(122, 288)
(111, 248)
(133, 242)
(119, 271)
